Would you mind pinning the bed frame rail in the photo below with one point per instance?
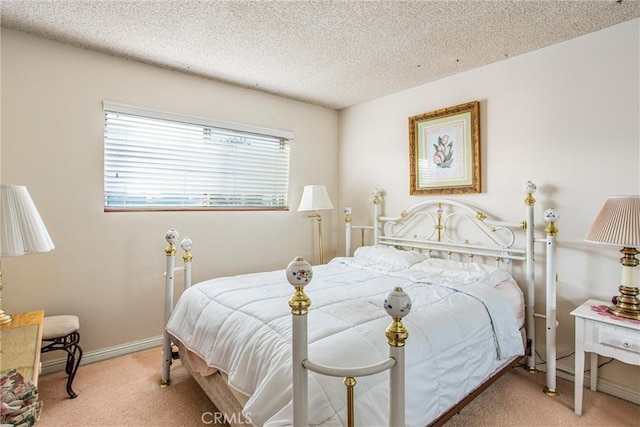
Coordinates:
(397, 304)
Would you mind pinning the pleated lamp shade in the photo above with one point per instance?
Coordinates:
(22, 231)
(315, 198)
(618, 223)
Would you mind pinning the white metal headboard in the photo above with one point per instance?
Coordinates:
(433, 225)
(436, 226)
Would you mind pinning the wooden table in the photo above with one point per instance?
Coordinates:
(20, 343)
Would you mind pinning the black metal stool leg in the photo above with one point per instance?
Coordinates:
(69, 344)
(70, 360)
(73, 362)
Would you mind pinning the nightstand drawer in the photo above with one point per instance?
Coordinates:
(617, 339)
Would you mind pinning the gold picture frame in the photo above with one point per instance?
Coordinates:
(444, 151)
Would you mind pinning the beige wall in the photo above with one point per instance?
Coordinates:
(566, 117)
(107, 267)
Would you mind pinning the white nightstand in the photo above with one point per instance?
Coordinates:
(599, 332)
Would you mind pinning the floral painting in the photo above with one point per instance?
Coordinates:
(443, 156)
(444, 148)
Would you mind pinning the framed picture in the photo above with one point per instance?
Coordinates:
(444, 151)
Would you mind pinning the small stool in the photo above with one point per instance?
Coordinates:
(61, 333)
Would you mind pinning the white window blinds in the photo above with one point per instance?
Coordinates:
(156, 160)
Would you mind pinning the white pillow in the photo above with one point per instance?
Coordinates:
(462, 270)
(388, 256)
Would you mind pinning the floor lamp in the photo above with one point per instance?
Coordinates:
(315, 199)
(22, 231)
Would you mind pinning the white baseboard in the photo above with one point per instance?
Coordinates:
(604, 385)
(609, 387)
(56, 365)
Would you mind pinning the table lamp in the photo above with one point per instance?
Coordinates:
(315, 199)
(22, 231)
(618, 224)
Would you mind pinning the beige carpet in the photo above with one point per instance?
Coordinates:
(124, 392)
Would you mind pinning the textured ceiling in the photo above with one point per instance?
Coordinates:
(330, 53)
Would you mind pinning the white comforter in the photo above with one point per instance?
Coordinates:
(460, 331)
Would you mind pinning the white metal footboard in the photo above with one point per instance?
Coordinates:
(397, 304)
(172, 237)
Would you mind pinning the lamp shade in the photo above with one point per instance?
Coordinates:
(618, 223)
(21, 228)
(315, 198)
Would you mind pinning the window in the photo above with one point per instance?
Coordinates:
(163, 161)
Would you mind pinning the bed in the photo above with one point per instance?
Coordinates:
(469, 322)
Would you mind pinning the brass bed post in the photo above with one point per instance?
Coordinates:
(439, 227)
(299, 274)
(347, 225)
(551, 216)
(187, 258)
(377, 209)
(350, 383)
(171, 237)
(530, 310)
(397, 304)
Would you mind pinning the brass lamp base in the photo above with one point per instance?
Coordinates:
(5, 318)
(627, 303)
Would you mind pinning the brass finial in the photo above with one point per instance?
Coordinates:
(299, 302)
(347, 213)
(186, 246)
(529, 189)
(396, 333)
(376, 196)
(530, 200)
(551, 216)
